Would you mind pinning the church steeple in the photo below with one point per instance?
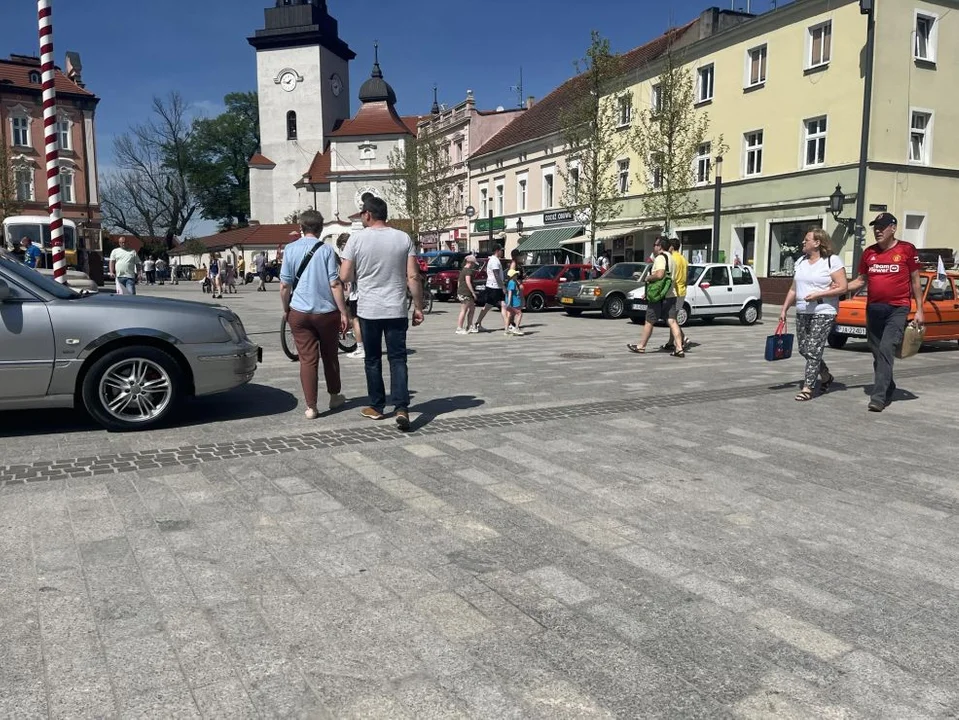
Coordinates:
(295, 23)
(376, 89)
(435, 110)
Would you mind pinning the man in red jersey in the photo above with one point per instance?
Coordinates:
(890, 269)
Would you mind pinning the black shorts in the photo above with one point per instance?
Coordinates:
(351, 307)
(662, 310)
(495, 297)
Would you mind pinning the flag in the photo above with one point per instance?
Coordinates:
(941, 270)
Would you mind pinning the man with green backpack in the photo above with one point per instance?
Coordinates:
(660, 301)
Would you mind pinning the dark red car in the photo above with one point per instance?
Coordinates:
(542, 285)
(442, 282)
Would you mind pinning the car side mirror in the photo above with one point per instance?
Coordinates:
(5, 293)
(704, 285)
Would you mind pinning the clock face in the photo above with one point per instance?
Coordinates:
(288, 81)
(336, 84)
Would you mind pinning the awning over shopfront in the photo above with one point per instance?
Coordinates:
(610, 233)
(550, 239)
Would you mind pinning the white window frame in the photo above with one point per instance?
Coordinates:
(461, 197)
(819, 137)
(748, 83)
(810, 63)
(656, 172)
(701, 74)
(65, 132)
(922, 231)
(927, 134)
(656, 98)
(459, 151)
(624, 110)
(31, 194)
(500, 197)
(522, 192)
(14, 131)
(932, 41)
(758, 149)
(622, 175)
(68, 182)
(484, 200)
(703, 158)
(574, 178)
(549, 187)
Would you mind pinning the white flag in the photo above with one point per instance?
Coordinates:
(941, 269)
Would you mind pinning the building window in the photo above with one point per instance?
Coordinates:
(66, 186)
(622, 175)
(484, 201)
(63, 134)
(914, 228)
(656, 170)
(35, 77)
(574, 181)
(625, 109)
(500, 200)
(815, 142)
(521, 194)
(460, 197)
(548, 190)
(927, 35)
(21, 131)
(23, 178)
(785, 245)
(754, 153)
(459, 151)
(656, 98)
(291, 125)
(705, 79)
(920, 137)
(446, 155)
(756, 66)
(703, 164)
(820, 45)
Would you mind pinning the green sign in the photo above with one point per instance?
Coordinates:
(499, 223)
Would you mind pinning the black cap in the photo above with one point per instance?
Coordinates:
(884, 220)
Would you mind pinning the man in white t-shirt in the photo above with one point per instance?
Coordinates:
(125, 267)
(495, 289)
(382, 262)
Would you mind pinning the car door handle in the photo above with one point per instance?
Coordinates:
(729, 289)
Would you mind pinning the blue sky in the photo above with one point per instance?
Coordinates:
(199, 46)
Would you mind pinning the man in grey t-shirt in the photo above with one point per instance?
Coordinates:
(382, 262)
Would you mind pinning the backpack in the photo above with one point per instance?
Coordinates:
(657, 290)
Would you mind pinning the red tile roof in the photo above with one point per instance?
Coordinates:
(545, 117)
(411, 121)
(261, 235)
(319, 169)
(260, 160)
(16, 74)
(373, 118)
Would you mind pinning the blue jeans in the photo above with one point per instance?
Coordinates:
(129, 285)
(395, 331)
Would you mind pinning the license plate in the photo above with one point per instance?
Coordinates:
(851, 330)
(566, 301)
(639, 306)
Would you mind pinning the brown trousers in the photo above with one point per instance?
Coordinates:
(317, 337)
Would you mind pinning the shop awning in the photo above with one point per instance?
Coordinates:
(549, 239)
(610, 233)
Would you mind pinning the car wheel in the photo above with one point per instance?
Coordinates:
(574, 313)
(682, 315)
(749, 314)
(536, 302)
(614, 308)
(132, 388)
(836, 341)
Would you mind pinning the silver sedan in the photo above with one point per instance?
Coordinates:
(128, 360)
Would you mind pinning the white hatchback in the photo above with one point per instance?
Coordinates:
(712, 290)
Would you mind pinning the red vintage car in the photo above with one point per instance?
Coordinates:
(442, 283)
(542, 286)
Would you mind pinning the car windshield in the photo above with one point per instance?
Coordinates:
(624, 271)
(31, 276)
(547, 272)
(442, 261)
(693, 273)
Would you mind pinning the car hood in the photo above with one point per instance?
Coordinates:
(139, 302)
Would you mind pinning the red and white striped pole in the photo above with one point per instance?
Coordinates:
(48, 69)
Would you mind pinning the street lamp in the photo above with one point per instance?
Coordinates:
(836, 203)
(519, 227)
(717, 210)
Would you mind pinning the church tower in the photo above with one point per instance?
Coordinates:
(303, 84)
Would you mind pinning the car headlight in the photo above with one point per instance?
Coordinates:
(587, 290)
(229, 329)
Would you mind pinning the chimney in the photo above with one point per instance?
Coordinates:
(530, 101)
(74, 68)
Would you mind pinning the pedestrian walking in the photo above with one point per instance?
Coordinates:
(125, 267)
(161, 270)
(679, 269)
(311, 294)
(32, 255)
(351, 298)
(214, 275)
(494, 295)
(466, 294)
(660, 301)
(819, 282)
(230, 277)
(382, 261)
(149, 269)
(259, 264)
(514, 303)
(175, 271)
(241, 269)
(890, 271)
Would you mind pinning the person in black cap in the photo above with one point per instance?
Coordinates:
(890, 268)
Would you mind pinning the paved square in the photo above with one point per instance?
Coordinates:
(570, 531)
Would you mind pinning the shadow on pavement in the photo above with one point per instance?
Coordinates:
(248, 401)
(431, 409)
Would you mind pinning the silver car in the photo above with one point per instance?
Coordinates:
(128, 360)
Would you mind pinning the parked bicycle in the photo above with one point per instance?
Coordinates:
(347, 341)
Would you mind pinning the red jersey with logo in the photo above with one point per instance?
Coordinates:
(888, 273)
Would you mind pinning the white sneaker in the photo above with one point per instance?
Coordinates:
(461, 331)
(337, 400)
(515, 330)
(311, 413)
(358, 353)
(474, 330)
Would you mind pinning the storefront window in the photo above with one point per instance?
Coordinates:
(785, 245)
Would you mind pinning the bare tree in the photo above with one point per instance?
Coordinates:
(422, 184)
(668, 137)
(594, 139)
(149, 193)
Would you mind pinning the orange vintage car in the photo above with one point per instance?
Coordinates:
(940, 306)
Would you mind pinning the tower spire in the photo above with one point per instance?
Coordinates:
(377, 72)
(435, 110)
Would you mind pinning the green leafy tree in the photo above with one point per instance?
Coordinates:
(220, 149)
(591, 130)
(668, 137)
(422, 184)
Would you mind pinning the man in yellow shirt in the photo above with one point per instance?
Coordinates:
(679, 269)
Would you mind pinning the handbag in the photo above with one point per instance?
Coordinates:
(657, 290)
(780, 345)
(912, 338)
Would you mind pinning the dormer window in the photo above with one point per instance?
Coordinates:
(291, 125)
(35, 77)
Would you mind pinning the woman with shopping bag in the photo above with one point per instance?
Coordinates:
(818, 283)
